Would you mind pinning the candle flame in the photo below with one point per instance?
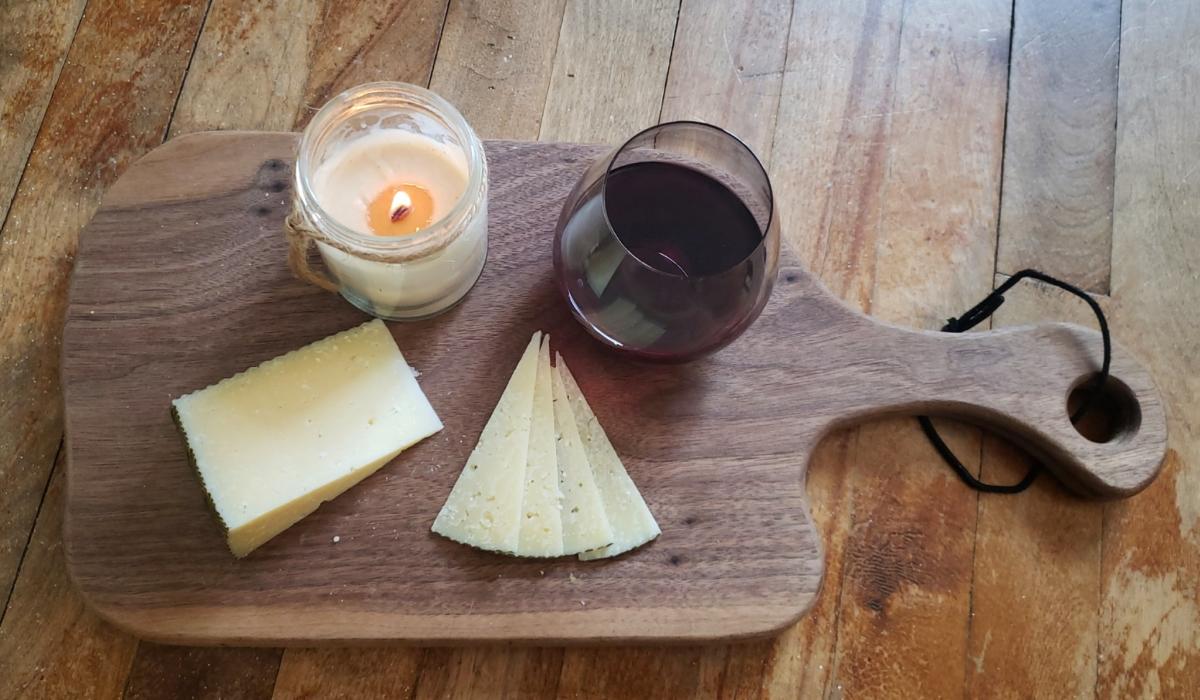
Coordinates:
(401, 205)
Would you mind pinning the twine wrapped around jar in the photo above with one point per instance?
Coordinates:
(302, 237)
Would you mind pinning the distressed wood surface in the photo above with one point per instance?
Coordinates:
(833, 110)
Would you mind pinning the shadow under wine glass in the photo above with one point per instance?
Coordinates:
(667, 248)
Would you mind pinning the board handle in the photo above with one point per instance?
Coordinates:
(1024, 383)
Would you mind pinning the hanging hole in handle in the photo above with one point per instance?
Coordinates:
(1113, 415)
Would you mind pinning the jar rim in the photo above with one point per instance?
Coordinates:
(447, 227)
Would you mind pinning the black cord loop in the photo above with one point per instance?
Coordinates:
(976, 315)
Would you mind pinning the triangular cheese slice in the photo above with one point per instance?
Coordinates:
(584, 523)
(632, 523)
(484, 508)
(541, 521)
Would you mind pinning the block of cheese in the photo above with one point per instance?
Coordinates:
(584, 522)
(632, 523)
(484, 507)
(274, 442)
(541, 521)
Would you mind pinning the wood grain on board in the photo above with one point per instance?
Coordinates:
(34, 37)
(111, 103)
(1150, 615)
(136, 536)
(1060, 141)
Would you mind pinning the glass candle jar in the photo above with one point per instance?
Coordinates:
(356, 155)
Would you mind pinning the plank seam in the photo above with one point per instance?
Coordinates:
(137, 651)
(37, 515)
(1012, 32)
(438, 46)
(769, 148)
(662, 101)
(554, 63)
(1112, 211)
(187, 71)
(33, 144)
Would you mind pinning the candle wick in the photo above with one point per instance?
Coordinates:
(401, 205)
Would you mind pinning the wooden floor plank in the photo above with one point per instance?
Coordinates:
(489, 672)
(112, 102)
(51, 645)
(828, 160)
(358, 674)
(727, 67)
(1061, 141)
(902, 193)
(183, 672)
(906, 597)
(1150, 616)
(270, 66)
(1033, 627)
(494, 64)
(609, 70)
(34, 37)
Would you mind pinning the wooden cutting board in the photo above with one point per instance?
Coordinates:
(181, 280)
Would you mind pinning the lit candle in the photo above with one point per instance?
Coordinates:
(392, 187)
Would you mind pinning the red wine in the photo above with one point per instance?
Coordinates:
(676, 269)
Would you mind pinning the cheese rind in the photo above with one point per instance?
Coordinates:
(484, 507)
(631, 520)
(274, 442)
(584, 522)
(541, 520)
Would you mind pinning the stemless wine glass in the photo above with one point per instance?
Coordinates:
(667, 248)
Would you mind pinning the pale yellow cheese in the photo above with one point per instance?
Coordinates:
(484, 507)
(630, 519)
(541, 523)
(274, 442)
(584, 523)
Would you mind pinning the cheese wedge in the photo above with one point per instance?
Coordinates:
(541, 523)
(272, 443)
(484, 507)
(630, 519)
(584, 523)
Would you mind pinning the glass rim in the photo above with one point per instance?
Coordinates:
(721, 131)
(450, 224)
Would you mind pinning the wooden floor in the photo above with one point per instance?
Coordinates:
(920, 149)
